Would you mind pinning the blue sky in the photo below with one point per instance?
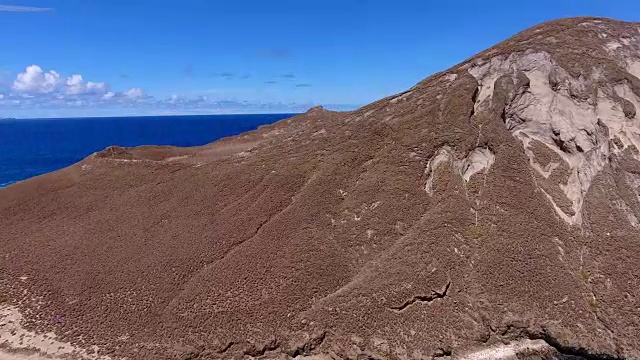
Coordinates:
(137, 57)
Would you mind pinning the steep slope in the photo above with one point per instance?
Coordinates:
(491, 211)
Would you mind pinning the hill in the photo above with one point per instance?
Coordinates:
(489, 212)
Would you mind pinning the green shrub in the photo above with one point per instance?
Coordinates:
(593, 305)
(4, 299)
(585, 275)
(475, 232)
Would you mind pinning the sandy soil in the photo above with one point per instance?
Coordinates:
(18, 343)
(10, 356)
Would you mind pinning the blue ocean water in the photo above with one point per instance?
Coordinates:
(36, 146)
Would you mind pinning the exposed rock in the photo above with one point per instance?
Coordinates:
(479, 159)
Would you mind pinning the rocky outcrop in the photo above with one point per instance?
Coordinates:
(577, 118)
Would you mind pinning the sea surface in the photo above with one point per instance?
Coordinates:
(37, 146)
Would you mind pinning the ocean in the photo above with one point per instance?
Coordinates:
(34, 147)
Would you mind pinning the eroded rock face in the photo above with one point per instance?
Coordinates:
(490, 212)
(476, 161)
(583, 120)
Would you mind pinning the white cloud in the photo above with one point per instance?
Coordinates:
(35, 80)
(173, 99)
(14, 8)
(75, 85)
(96, 87)
(38, 93)
(134, 93)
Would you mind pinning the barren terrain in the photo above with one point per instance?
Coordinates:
(489, 212)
